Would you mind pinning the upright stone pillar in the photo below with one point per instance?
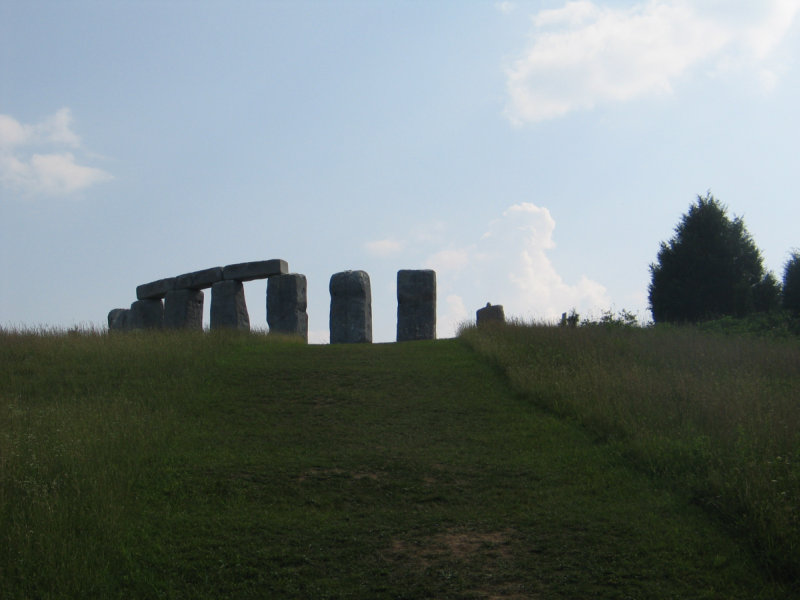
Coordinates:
(118, 319)
(416, 305)
(228, 308)
(146, 314)
(351, 308)
(183, 309)
(286, 305)
(490, 314)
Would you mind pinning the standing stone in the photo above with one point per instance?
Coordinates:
(228, 308)
(183, 309)
(490, 314)
(351, 308)
(118, 319)
(146, 314)
(286, 305)
(416, 305)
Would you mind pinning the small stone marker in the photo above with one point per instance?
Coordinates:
(155, 290)
(351, 308)
(146, 314)
(416, 305)
(198, 280)
(286, 305)
(183, 309)
(228, 307)
(490, 314)
(255, 270)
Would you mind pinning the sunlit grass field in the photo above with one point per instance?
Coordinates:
(518, 462)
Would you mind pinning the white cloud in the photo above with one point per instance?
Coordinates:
(12, 133)
(384, 248)
(509, 265)
(448, 260)
(505, 7)
(32, 160)
(584, 54)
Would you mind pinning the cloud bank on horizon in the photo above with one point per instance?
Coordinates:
(585, 54)
(39, 158)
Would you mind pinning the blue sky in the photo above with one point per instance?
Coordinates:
(534, 154)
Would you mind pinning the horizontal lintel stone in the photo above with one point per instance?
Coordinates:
(155, 290)
(260, 269)
(198, 280)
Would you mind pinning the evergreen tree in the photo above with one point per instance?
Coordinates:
(710, 268)
(791, 283)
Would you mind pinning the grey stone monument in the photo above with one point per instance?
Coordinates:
(416, 305)
(155, 290)
(146, 314)
(490, 314)
(260, 269)
(198, 280)
(118, 319)
(286, 305)
(228, 307)
(351, 308)
(183, 309)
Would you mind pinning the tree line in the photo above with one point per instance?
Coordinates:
(711, 268)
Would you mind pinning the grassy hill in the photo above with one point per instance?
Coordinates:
(236, 466)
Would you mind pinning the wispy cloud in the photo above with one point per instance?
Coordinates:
(584, 54)
(384, 248)
(39, 158)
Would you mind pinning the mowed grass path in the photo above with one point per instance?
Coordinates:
(207, 466)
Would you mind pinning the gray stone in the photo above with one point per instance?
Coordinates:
(146, 314)
(416, 305)
(198, 280)
(228, 307)
(255, 270)
(155, 290)
(183, 309)
(351, 308)
(286, 305)
(118, 319)
(490, 314)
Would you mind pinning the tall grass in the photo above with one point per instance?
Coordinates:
(716, 416)
(83, 428)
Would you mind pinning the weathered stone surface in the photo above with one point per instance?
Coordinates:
(118, 319)
(228, 307)
(351, 308)
(183, 309)
(286, 305)
(416, 305)
(198, 280)
(155, 289)
(255, 270)
(490, 314)
(146, 314)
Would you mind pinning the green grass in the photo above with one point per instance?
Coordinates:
(716, 416)
(235, 466)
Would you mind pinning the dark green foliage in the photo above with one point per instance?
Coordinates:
(710, 268)
(791, 283)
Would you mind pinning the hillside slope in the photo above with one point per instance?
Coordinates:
(208, 466)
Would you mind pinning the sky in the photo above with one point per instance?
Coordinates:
(534, 154)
